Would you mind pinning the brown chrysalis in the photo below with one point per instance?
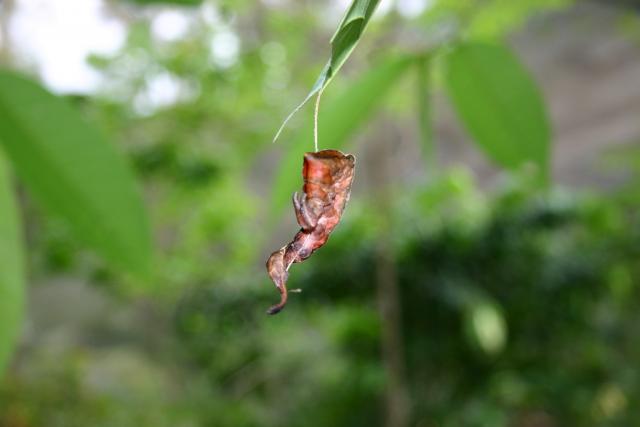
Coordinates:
(327, 175)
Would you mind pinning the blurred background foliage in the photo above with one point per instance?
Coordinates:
(447, 297)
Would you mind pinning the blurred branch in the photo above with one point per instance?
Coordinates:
(424, 113)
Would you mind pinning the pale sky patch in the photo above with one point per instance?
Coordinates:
(57, 36)
(413, 8)
(170, 25)
(225, 47)
(211, 14)
(161, 90)
(383, 8)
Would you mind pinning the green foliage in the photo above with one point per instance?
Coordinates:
(507, 311)
(339, 120)
(487, 290)
(73, 172)
(343, 42)
(499, 105)
(12, 275)
(553, 269)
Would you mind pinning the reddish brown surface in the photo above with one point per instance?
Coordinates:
(327, 175)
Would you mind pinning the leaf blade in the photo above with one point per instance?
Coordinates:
(343, 43)
(12, 274)
(73, 172)
(499, 104)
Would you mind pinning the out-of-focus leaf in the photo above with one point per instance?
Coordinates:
(73, 172)
(496, 18)
(484, 322)
(12, 275)
(486, 327)
(499, 104)
(343, 42)
(339, 119)
(489, 19)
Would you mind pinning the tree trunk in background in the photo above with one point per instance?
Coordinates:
(397, 400)
(397, 397)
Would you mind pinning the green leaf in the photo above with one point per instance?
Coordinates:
(338, 121)
(499, 104)
(12, 276)
(348, 33)
(343, 42)
(73, 172)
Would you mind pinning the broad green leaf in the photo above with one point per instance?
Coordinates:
(343, 42)
(338, 121)
(499, 104)
(12, 276)
(73, 172)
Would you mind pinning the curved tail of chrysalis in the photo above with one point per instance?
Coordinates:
(279, 273)
(275, 309)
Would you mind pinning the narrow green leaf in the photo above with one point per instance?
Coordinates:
(338, 121)
(73, 172)
(343, 42)
(499, 104)
(349, 31)
(12, 276)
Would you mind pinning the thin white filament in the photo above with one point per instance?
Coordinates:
(315, 120)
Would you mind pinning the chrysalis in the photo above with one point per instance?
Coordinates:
(327, 175)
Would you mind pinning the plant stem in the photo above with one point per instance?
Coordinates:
(424, 114)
